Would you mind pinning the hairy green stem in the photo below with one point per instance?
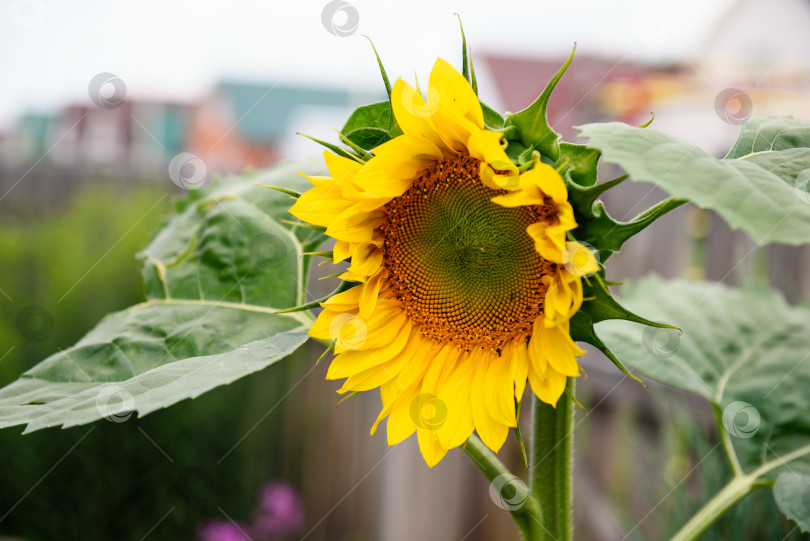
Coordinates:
(728, 445)
(512, 492)
(741, 485)
(733, 492)
(552, 466)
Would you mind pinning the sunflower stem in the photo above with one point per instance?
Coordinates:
(552, 466)
(518, 502)
(733, 492)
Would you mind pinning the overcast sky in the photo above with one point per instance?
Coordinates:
(49, 50)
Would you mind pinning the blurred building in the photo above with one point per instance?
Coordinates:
(577, 98)
(244, 124)
(238, 125)
(743, 68)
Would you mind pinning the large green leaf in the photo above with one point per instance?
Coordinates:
(762, 186)
(376, 115)
(213, 276)
(745, 350)
(792, 493)
(770, 135)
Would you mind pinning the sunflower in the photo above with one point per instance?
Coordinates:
(466, 275)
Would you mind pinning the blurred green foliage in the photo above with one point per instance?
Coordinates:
(677, 467)
(77, 265)
(199, 460)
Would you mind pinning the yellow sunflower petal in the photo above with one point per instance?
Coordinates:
(520, 366)
(412, 113)
(579, 260)
(376, 331)
(455, 93)
(341, 251)
(389, 392)
(535, 185)
(321, 205)
(321, 327)
(403, 158)
(414, 371)
(343, 301)
(545, 178)
(366, 260)
(492, 433)
(537, 358)
(549, 387)
(429, 445)
(400, 423)
(558, 300)
(455, 132)
(501, 390)
(517, 198)
(354, 225)
(563, 297)
(340, 167)
(369, 293)
(454, 393)
(355, 361)
(548, 242)
(379, 375)
(497, 170)
(558, 349)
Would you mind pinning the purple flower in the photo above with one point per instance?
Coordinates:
(279, 512)
(222, 530)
